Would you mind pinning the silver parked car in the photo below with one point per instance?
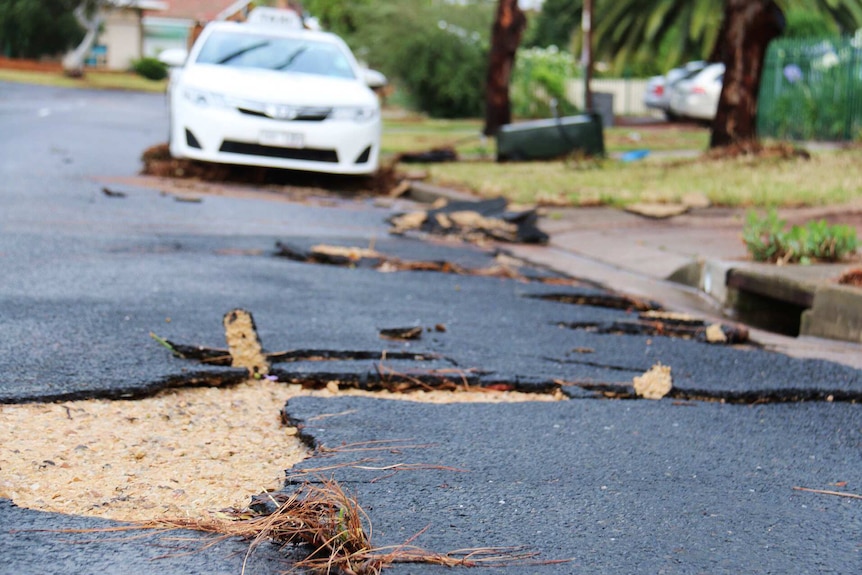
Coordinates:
(659, 88)
(696, 97)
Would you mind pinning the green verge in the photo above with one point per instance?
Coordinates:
(414, 133)
(92, 80)
(666, 175)
(828, 178)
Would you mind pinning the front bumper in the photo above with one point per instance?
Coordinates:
(229, 136)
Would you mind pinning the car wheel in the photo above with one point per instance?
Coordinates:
(670, 116)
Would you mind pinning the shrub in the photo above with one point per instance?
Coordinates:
(150, 68)
(435, 53)
(31, 29)
(540, 76)
(809, 90)
(767, 240)
(444, 73)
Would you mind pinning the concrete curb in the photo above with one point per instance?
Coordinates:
(819, 306)
(836, 313)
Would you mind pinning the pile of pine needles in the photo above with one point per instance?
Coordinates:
(325, 519)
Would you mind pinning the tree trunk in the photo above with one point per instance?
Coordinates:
(748, 28)
(587, 53)
(73, 62)
(509, 25)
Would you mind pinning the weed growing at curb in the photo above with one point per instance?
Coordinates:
(767, 240)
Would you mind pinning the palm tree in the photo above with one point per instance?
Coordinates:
(739, 32)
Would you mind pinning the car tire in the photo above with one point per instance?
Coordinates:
(670, 116)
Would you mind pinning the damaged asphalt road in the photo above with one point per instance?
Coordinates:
(616, 486)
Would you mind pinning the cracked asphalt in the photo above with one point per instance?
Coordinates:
(673, 486)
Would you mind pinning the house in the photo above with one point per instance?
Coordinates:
(177, 26)
(171, 28)
(132, 29)
(121, 39)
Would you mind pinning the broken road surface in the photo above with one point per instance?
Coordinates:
(701, 480)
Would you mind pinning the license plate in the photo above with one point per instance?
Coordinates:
(281, 139)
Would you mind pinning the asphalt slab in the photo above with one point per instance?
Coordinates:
(616, 487)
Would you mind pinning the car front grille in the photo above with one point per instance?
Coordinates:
(297, 115)
(308, 154)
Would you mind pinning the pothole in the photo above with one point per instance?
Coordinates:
(183, 453)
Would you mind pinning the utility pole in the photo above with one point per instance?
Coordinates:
(587, 53)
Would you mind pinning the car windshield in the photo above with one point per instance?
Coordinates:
(250, 50)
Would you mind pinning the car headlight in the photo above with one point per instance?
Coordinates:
(361, 114)
(203, 98)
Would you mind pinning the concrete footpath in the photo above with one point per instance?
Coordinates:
(697, 263)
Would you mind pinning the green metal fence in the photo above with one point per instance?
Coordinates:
(812, 90)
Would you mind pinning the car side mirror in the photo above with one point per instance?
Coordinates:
(375, 79)
(173, 57)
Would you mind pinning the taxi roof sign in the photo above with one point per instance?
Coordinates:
(275, 17)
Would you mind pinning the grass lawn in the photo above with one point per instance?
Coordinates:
(829, 177)
(417, 133)
(98, 80)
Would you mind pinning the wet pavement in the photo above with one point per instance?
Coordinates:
(677, 486)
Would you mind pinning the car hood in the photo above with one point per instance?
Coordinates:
(278, 87)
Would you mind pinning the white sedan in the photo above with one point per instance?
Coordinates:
(659, 88)
(696, 97)
(268, 95)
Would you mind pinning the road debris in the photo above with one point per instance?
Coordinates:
(669, 325)
(113, 193)
(655, 383)
(828, 492)
(402, 333)
(158, 162)
(367, 258)
(328, 522)
(473, 221)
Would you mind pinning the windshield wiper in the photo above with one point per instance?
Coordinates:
(290, 59)
(241, 51)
